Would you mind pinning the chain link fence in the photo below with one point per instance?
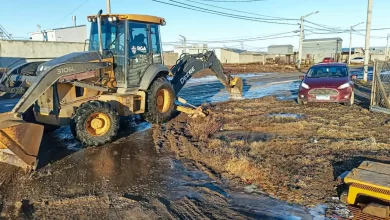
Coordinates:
(380, 91)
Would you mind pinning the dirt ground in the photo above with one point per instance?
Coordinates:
(292, 152)
(254, 68)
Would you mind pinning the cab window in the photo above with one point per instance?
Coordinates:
(155, 37)
(138, 35)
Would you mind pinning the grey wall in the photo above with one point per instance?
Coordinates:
(75, 34)
(170, 58)
(12, 50)
(321, 49)
(283, 50)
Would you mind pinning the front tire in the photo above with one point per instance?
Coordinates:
(351, 100)
(300, 101)
(160, 101)
(95, 123)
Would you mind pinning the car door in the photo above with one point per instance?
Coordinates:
(139, 57)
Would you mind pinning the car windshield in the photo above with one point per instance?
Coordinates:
(327, 72)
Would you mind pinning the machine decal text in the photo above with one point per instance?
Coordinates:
(189, 73)
(65, 70)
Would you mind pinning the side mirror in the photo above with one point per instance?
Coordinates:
(302, 77)
(354, 76)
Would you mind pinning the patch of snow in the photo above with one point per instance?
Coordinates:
(293, 218)
(318, 212)
(143, 126)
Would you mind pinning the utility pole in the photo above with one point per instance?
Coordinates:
(350, 41)
(368, 32)
(184, 44)
(387, 48)
(242, 45)
(301, 38)
(108, 6)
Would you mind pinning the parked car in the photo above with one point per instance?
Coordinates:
(331, 82)
(357, 60)
(328, 60)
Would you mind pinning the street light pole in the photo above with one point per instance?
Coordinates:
(350, 41)
(301, 37)
(184, 44)
(387, 48)
(108, 6)
(368, 32)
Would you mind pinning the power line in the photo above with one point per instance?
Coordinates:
(78, 7)
(324, 26)
(232, 0)
(245, 12)
(374, 37)
(194, 8)
(254, 38)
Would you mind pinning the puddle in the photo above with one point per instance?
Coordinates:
(242, 135)
(286, 116)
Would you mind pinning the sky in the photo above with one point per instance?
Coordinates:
(199, 26)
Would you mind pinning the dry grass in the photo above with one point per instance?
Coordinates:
(301, 160)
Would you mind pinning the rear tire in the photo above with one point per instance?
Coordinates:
(351, 100)
(95, 123)
(160, 101)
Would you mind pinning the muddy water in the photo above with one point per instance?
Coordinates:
(156, 183)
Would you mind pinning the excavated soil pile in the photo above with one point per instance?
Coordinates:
(254, 68)
(292, 152)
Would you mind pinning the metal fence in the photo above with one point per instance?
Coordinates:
(380, 91)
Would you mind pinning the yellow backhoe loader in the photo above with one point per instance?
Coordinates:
(121, 74)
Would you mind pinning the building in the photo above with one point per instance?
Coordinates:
(190, 49)
(281, 49)
(66, 34)
(317, 49)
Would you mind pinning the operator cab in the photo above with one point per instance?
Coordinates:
(132, 40)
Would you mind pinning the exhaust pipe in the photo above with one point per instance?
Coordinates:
(99, 26)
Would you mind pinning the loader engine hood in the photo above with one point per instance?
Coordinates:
(77, 57)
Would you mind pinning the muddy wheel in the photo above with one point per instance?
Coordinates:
(160, 101)
(351, 100)
(299, 101)
(95, 123)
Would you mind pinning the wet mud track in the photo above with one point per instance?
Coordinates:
(128, 179)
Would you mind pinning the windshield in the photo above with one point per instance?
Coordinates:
(327, 72)
(113, 37)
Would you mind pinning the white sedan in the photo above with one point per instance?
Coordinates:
(359, 60)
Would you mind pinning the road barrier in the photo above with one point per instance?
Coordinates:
(380, 91)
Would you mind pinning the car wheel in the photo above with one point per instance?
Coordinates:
(351, 100)
(300, 101)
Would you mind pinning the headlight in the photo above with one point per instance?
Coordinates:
(110, 19)
(93, 19)
(114, 18)
(304, 85)
(90, 19)
(345, 85)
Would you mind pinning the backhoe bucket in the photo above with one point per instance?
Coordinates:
(235, 87)
(19, 141)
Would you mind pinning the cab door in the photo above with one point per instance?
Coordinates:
(139, 52)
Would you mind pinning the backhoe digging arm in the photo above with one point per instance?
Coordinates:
(189, 64)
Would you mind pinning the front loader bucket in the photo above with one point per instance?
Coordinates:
(19, 142)
(235, 87)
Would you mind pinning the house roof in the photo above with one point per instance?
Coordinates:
(282, 45)
(69, 27)
(323, 39)
(235, 50)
